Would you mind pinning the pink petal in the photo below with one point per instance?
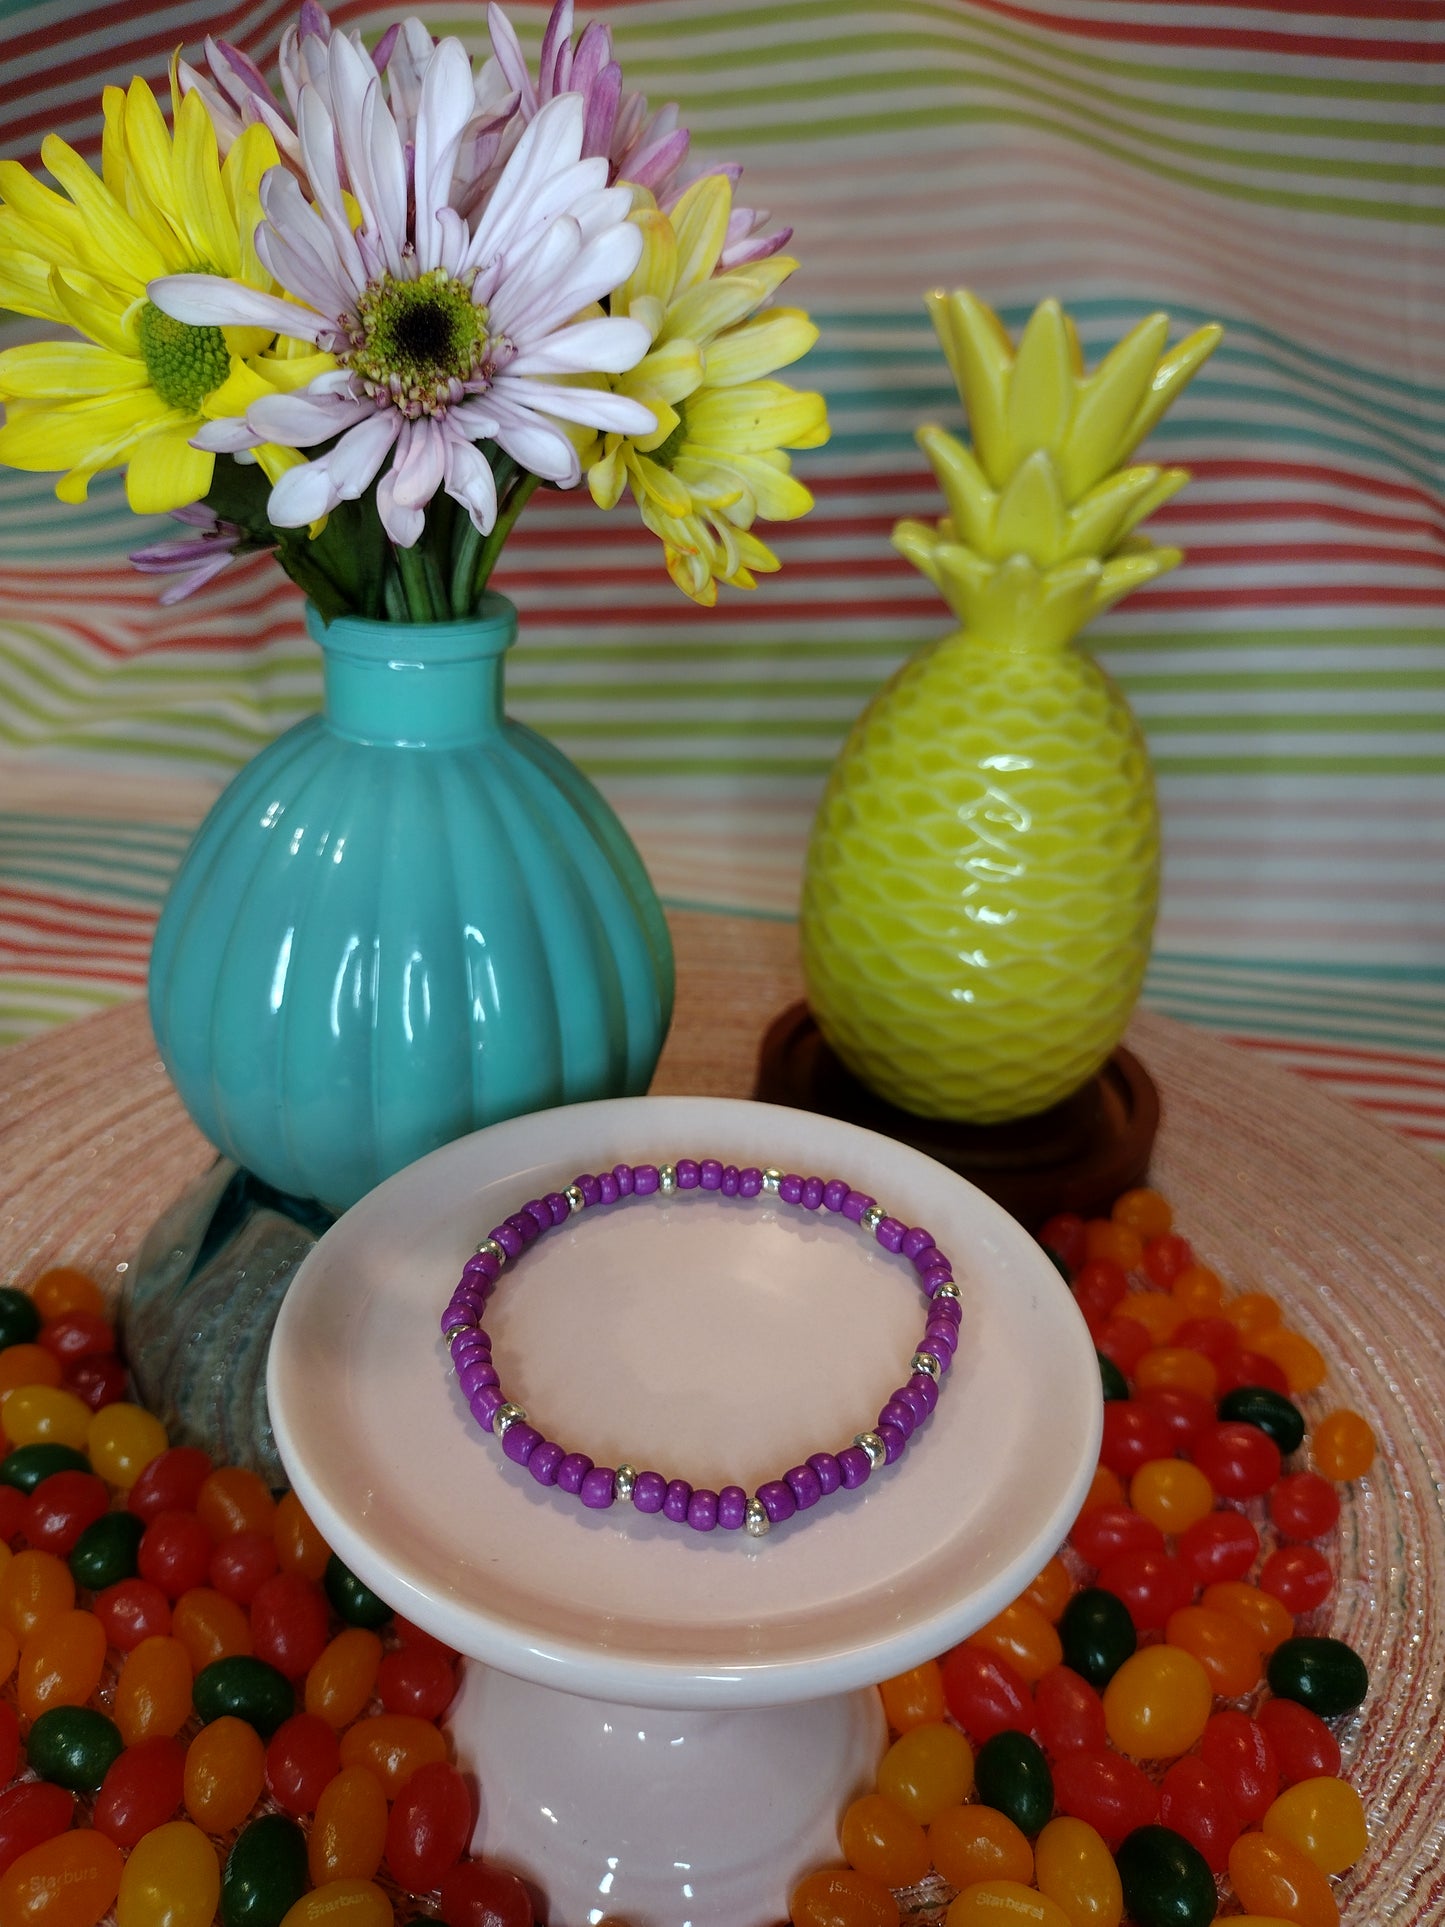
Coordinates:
(301, 420)
(602, 346)
(511, 59)
(419, 463)
(554, 66)
(533, 444)
(226, 437)
(527, 194)
(597, 407)
(318, 148)
(343, 474)
(208, 301)
(469, 480)
(446, 104)
(295, 244)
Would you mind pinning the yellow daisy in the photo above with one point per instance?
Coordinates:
(136, 388)
(716, 461)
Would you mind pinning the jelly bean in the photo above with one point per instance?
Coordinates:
(46, 1415)
(1239, 1461)
(234, 1499)
(22, 1365)
(422, 1682)
(300, 1548)
(9, 1654)
(1112, 1381)
(265, 1873)
(1157, 1704)
(171, 1482)
(1270, 1412)
(122, 1441)
(831, 1897)
(988, 1901)
(142, 1789)
(241, 1565)
(1123, 1339)
(63, 1288)
(1252, 1311)
(224, 1773)
(353, 1600)
(1106, 1529)
(1063, 1235)
(9, 1741)
(476, 1895)
(60, 1663)
(1076, 1871)
(174, 1553)
(1323, 1817)
(1195, 1802)
(877, 1838)
(302, 1759)
(1343, 1445)
(1111, 1793)
(70, 1881)
(1068, 1713)
(972, 1843)
(1227, 1649)
(1298, 1576)
(74, 1746)
(1100, 1288)
(97, 1381)
(248, 1688)
(105, 1553)
(1243, 1369)
(1176, 1368)
(30, 1813)
(1013, 1776)
(1304, 1368)
(1097, 1633)
(35, 1588)
(153, 1693)
(77, 1334)
(1224, 1545)
(132, 1611)
(1144, 1211)
(60, 1509)
(12, 1514)
(290, 1624)
(1242, 1756)
(1264, 1617)
(914, 1698)
(1166, 1882)
(1119, 1243)
(340, 1683)
(19, 1318)
(1051, 1589)
(1200, 1292)
(1132, 1436)
(1164, 1258)
(1304, 1506)
(1304, 1746)
(172, 1879)
(1184, 1414)
(348, 1834)
(1210, 1336)
(1172, 1494)
(27, 1465)
(1149, 1585)
(210, 1627)
(1325, 1675)
(1273, 1876)
(925, 1770)
(393, 1746)
(342, 1903)
(1021, 1635)
(1157, 1312)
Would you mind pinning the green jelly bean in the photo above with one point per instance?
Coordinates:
(27, 1465)
(356, 1603)
(74, 1746)
(1166, 1880)
(1012, 1775)
(19, 1320)
(1114, 1382)
(105, 1553)
(246, 1688)
(265, 1873)
(1269, 1412)
(1097, 1634)
(1325, 1675)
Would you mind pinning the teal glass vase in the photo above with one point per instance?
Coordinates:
(407, 918)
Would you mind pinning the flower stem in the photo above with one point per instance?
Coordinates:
(416, 586)
(491, 547)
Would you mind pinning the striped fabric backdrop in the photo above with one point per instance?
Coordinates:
(1280, 168)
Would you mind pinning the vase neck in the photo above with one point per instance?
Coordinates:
(423, 685)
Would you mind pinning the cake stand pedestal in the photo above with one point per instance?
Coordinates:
(665, 1726)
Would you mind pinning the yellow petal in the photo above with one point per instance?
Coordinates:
(659, 486)
(25, 285)
(96, 311)
(273, 461)
(722, 302)
(204, 218)
(112, 142)
(655, 275)
(115, 246)
(715, 485)
(700, 222)
(759, 415)
(148, 190)
(36, 220)
(166, 473)
(62, 370)
(606, 478)
(670, 373)
(757, 346)
(242, 171)
(42, 437)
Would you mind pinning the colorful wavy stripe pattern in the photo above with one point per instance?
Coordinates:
(1281, 168)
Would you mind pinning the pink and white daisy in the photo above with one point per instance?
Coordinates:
(445, 334)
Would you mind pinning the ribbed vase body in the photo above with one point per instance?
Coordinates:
(982, 881)
(406, 918)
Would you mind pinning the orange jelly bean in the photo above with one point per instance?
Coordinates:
(1227, 1650)
(70, 1881)
(300, 1548)
(342, 1903)
(1252, 1312)
(1274, 1877)
(1024, 1637)
(1267, 1619)
(1172, 1493)
(910, 1699)
(1343, 1445)
(35, 1588)
(1121, 1243)
(27, 1365)
(1156, 1311)
(1300, 1361)
(989, 1901)
(9, 1650)
(234, 1500)
(63, 1289)
(1105, 1488)
(975, 1843)
(348, 1834)
(1051, 1590)
(153, 1693)
(225, 1772)
(1198, 1291)
(926, 1770)
(1324, 1818)
(1173, 1368)
(392, 1746)
(880, 1839)
(341, 1682)
(210, 1626)
(60, 1663)
(1144, 1211)
(841, 1897)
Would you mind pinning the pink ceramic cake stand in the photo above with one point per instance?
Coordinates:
(664, 1725)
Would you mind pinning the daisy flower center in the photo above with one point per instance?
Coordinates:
(417, 343)
(184, 363)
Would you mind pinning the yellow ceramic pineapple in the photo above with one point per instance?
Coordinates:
(983, 873)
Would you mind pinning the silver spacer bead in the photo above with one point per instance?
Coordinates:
(667, 1177)
(493, 1249)
(873, 1217)
(505, 1416)
(575, 1199)
(875, 1448)
(626, 1478)
(757, 1522)
(926, 1363)
(949, 1291)
(772, 1178)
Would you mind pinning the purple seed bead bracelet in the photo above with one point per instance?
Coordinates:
(803, 1485)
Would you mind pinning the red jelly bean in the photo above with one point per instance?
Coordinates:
(1105, 1530)
(1186, 1414)
(131, 1611)
(303, 1757)
(1166, 1257)
(98, 1381)
(1110, 1793)
(1239, 1461)
(174, 1553)
(61, 1507)
(78, 1334)
(1125, 1341)
(1063, 1234)
(430, 1825)
(1221, 1545)
(171, 1482)
(9, 1742)
(1068, 1714)
(1298, 1576)
(1195, 1801)
(30, 1814)
(142, 1789)
(1240, 1753)
(1304, 1506)
(477, 1895)
(985, 1694)
(416, 1679)
(1132, 1436)
(1251, 1368)
(1304, 1746)
(1152, 1585)
(242, 1564)
(1215, 1338)
(290, 1624)
(411, 1635)
(12, 1511)
(1099, 1288)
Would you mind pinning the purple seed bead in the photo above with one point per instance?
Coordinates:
(805, 1485)
(540, 1212)
(525, 1227)
(558, 1206)
(812, 1193)
(790, 1190)
(476, 1377)
(934, 1277)
(940, 1338)
(730, 1181)
(896, 1412)
(777, 1500)
(470, 1345)
(855, 1466)
(479, 1271)
(687, 1174)
(710, 1177)
(702, 1510)
(572, 1470)
(908, 1398)
(915, 1242)
(855, 1204)
(890, 1233)
(894, 1443)
(607, 1185)
(623, 1174)
(649, 1491)
(589, 1187)
(830, 1473)
(732, 1508)
(520, 1442)
(545, 1460)
(750, 1181)
(679, 1497)
(835, 1194)
(486, 1404)
(926, 1390)
(644, 1180)
(457, 1317)
(508, 1237)
(598, 1488)
(487, 1265)
(947, 1310)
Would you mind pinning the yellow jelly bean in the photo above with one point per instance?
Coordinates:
(121, 1441)
(1323, 1817)
(44, 1414)
(1073, 1867)
(35, 1587)
(153, 1693)
(1005, 1903)
(1158, 1703)
(341, 1903)
(60, 1663)
(225, 1771)
(172, 1879)
(340, 1684)
(927, 1769)
(69, 1881)
(348, 1834)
